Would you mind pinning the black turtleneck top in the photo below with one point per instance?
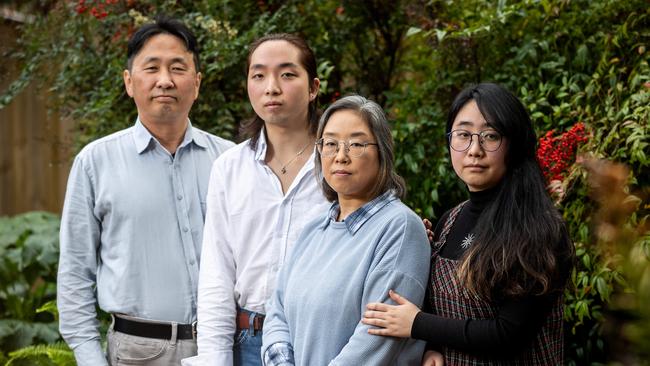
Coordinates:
(517, 321)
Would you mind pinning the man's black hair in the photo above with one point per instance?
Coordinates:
(163, 25)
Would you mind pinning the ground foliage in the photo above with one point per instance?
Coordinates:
(578, 65)
(29, 254)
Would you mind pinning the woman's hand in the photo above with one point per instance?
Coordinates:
(428, 226)
(391, 320)
(433, 358)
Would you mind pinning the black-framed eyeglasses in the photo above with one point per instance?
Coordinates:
(461, 140)
(330, 147)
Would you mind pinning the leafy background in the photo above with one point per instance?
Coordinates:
(581, 68)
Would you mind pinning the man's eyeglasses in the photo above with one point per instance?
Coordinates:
(330, 147)
(461, 140)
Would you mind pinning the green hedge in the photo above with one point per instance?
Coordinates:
(573, 63)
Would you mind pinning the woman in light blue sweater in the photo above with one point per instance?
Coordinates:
(367, 244)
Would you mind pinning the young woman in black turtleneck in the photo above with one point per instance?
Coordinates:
(500, 260)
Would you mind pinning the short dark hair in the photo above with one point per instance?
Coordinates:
(377, 122)
(250, 129)
(163, 25)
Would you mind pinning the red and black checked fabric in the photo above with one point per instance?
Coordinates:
(446, 229)
(450, 299)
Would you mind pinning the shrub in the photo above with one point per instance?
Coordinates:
(571, 62)
(29, 254)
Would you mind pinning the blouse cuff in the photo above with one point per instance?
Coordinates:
(279, 354)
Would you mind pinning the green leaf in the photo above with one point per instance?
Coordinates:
(440, 34)
(413, 31)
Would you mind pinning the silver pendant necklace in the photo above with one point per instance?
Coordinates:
(283, 170)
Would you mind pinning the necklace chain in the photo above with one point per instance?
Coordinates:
(283, 170)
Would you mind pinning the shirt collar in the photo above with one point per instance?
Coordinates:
(143, 137)
(356, 219)
(191, 135)
(260, 148)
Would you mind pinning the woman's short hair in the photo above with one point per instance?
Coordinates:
(377, 122)
(251, 128)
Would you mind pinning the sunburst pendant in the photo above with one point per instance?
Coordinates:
(467, 242)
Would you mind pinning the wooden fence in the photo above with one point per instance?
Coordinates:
(34, 156)
(35, 146)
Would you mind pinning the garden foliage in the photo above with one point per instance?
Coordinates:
(29, 253)
(581, 67)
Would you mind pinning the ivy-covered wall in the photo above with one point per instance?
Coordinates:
(580, 66)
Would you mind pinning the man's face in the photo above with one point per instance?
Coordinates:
(163, 80)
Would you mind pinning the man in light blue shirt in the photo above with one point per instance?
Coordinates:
(132, 222)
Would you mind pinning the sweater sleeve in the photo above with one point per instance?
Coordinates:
(401, 263)
(514, 327)
(276, 327)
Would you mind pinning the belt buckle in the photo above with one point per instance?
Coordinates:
(194, 331)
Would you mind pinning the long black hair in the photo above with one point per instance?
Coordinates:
(521, 246)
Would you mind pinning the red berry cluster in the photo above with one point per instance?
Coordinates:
(96, 8)
(556, 153)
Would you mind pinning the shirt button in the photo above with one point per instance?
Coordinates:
(185, 229)
(192, 262)
(179, 197)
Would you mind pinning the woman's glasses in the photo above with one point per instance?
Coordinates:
(330, 147)
(461, 140)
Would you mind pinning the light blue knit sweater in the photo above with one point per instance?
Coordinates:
(335, 269)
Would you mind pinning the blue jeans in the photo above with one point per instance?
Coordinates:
(248, 345)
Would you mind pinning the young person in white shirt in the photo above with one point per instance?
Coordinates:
(261, 194)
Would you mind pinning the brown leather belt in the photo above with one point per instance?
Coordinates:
(244, 321)
(153, 330)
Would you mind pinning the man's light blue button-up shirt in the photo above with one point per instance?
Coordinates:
(131, 232)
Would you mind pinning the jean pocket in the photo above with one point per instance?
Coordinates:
(241, 335)
(132, 350)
